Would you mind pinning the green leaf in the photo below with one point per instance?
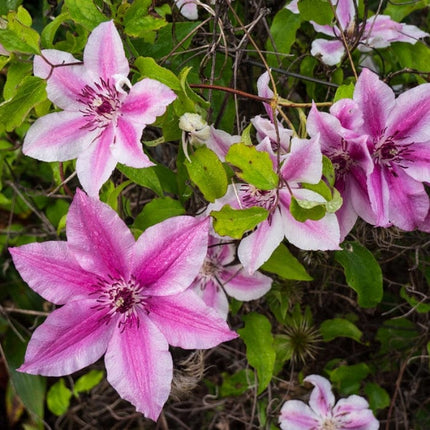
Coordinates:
(58, 398)
(48, 33)
(302, 210)
(236, 384)
(29, 388)
(88, 381)
(29, 93)
(284, 351)
(15, 74)
(285, 265)
(207, 172)
(344, 92)
(158, 210)
(150, 69)
(397, 334)
(235, 222)
(398, 9)
(19, 36)
(319, 11)
(256, 166)
(362, 272)
(260, 352)
(348, 378)
(146, 177)
(339, 327)
(413, 56)
(418, 305)
(376, 395)
(85, 12)
(328, 170)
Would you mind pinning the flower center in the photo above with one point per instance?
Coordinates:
(102, 102)
(388, 154)
(252, 196)
(123, 299)
(329, 424)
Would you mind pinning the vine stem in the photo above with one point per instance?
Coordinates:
(279, 101)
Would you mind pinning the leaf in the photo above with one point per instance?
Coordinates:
(236, 384)
(418, 305)
(362, 272)
(29, 388)
(158, 210)
(15, 74)
(399, 9)
(85, 12)
(146, 177)
(15, 110)
(235, 222)
(376, 395)
(207, 172)
(285, 265)
(413, 56)
(302, 210)
(58, 398)
(319, 11)
(344, 92)
(348, 378)
(397, 334)
(256, 166)
(150, 69)
(260, 351)
(339, 327)
(88, 381)
(48, 33)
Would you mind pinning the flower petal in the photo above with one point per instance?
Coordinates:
(257, 248)
(139, 366)
(375, 100)
(50, 269)
(95, 165)
(188, 8)
(418, 166)
(330, 51)
(58, 136)
(265, 91)
(104, 54)
(169, 255)
(64, 83)
(186, 321)
(146, 100)
(323, 234)
(322, 398)
(213, 295)
(296, 415)
(220, 141)
(71, 338)
(98, 238)
(242, 286)
(354, 413)
(127, 148)
(345, 13)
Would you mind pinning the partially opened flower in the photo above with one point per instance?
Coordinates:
(103, 114)
(379, 32)
(126, 299)
(323, 413)
(219, 276)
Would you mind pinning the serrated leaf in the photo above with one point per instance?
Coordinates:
(319, 11)
(260, 352)
(255, 166)
(339, 327)
(235, 222)
(88, 381)
(207, 172)
(362, 272)
(285, 265)
(158, 210)
(150, 69)
(85, 12)
(58, 398)
(28, 94)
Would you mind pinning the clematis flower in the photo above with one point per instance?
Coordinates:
(301, 163)
(352, 413)
(395, 133)
(220, 276)
(103, 114)
(188, 8)
(379, 32)
(126, 299)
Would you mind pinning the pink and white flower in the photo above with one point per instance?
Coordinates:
(126, 299)
(379, 32)
(220, 276)
(323, 413)
(103, 114)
